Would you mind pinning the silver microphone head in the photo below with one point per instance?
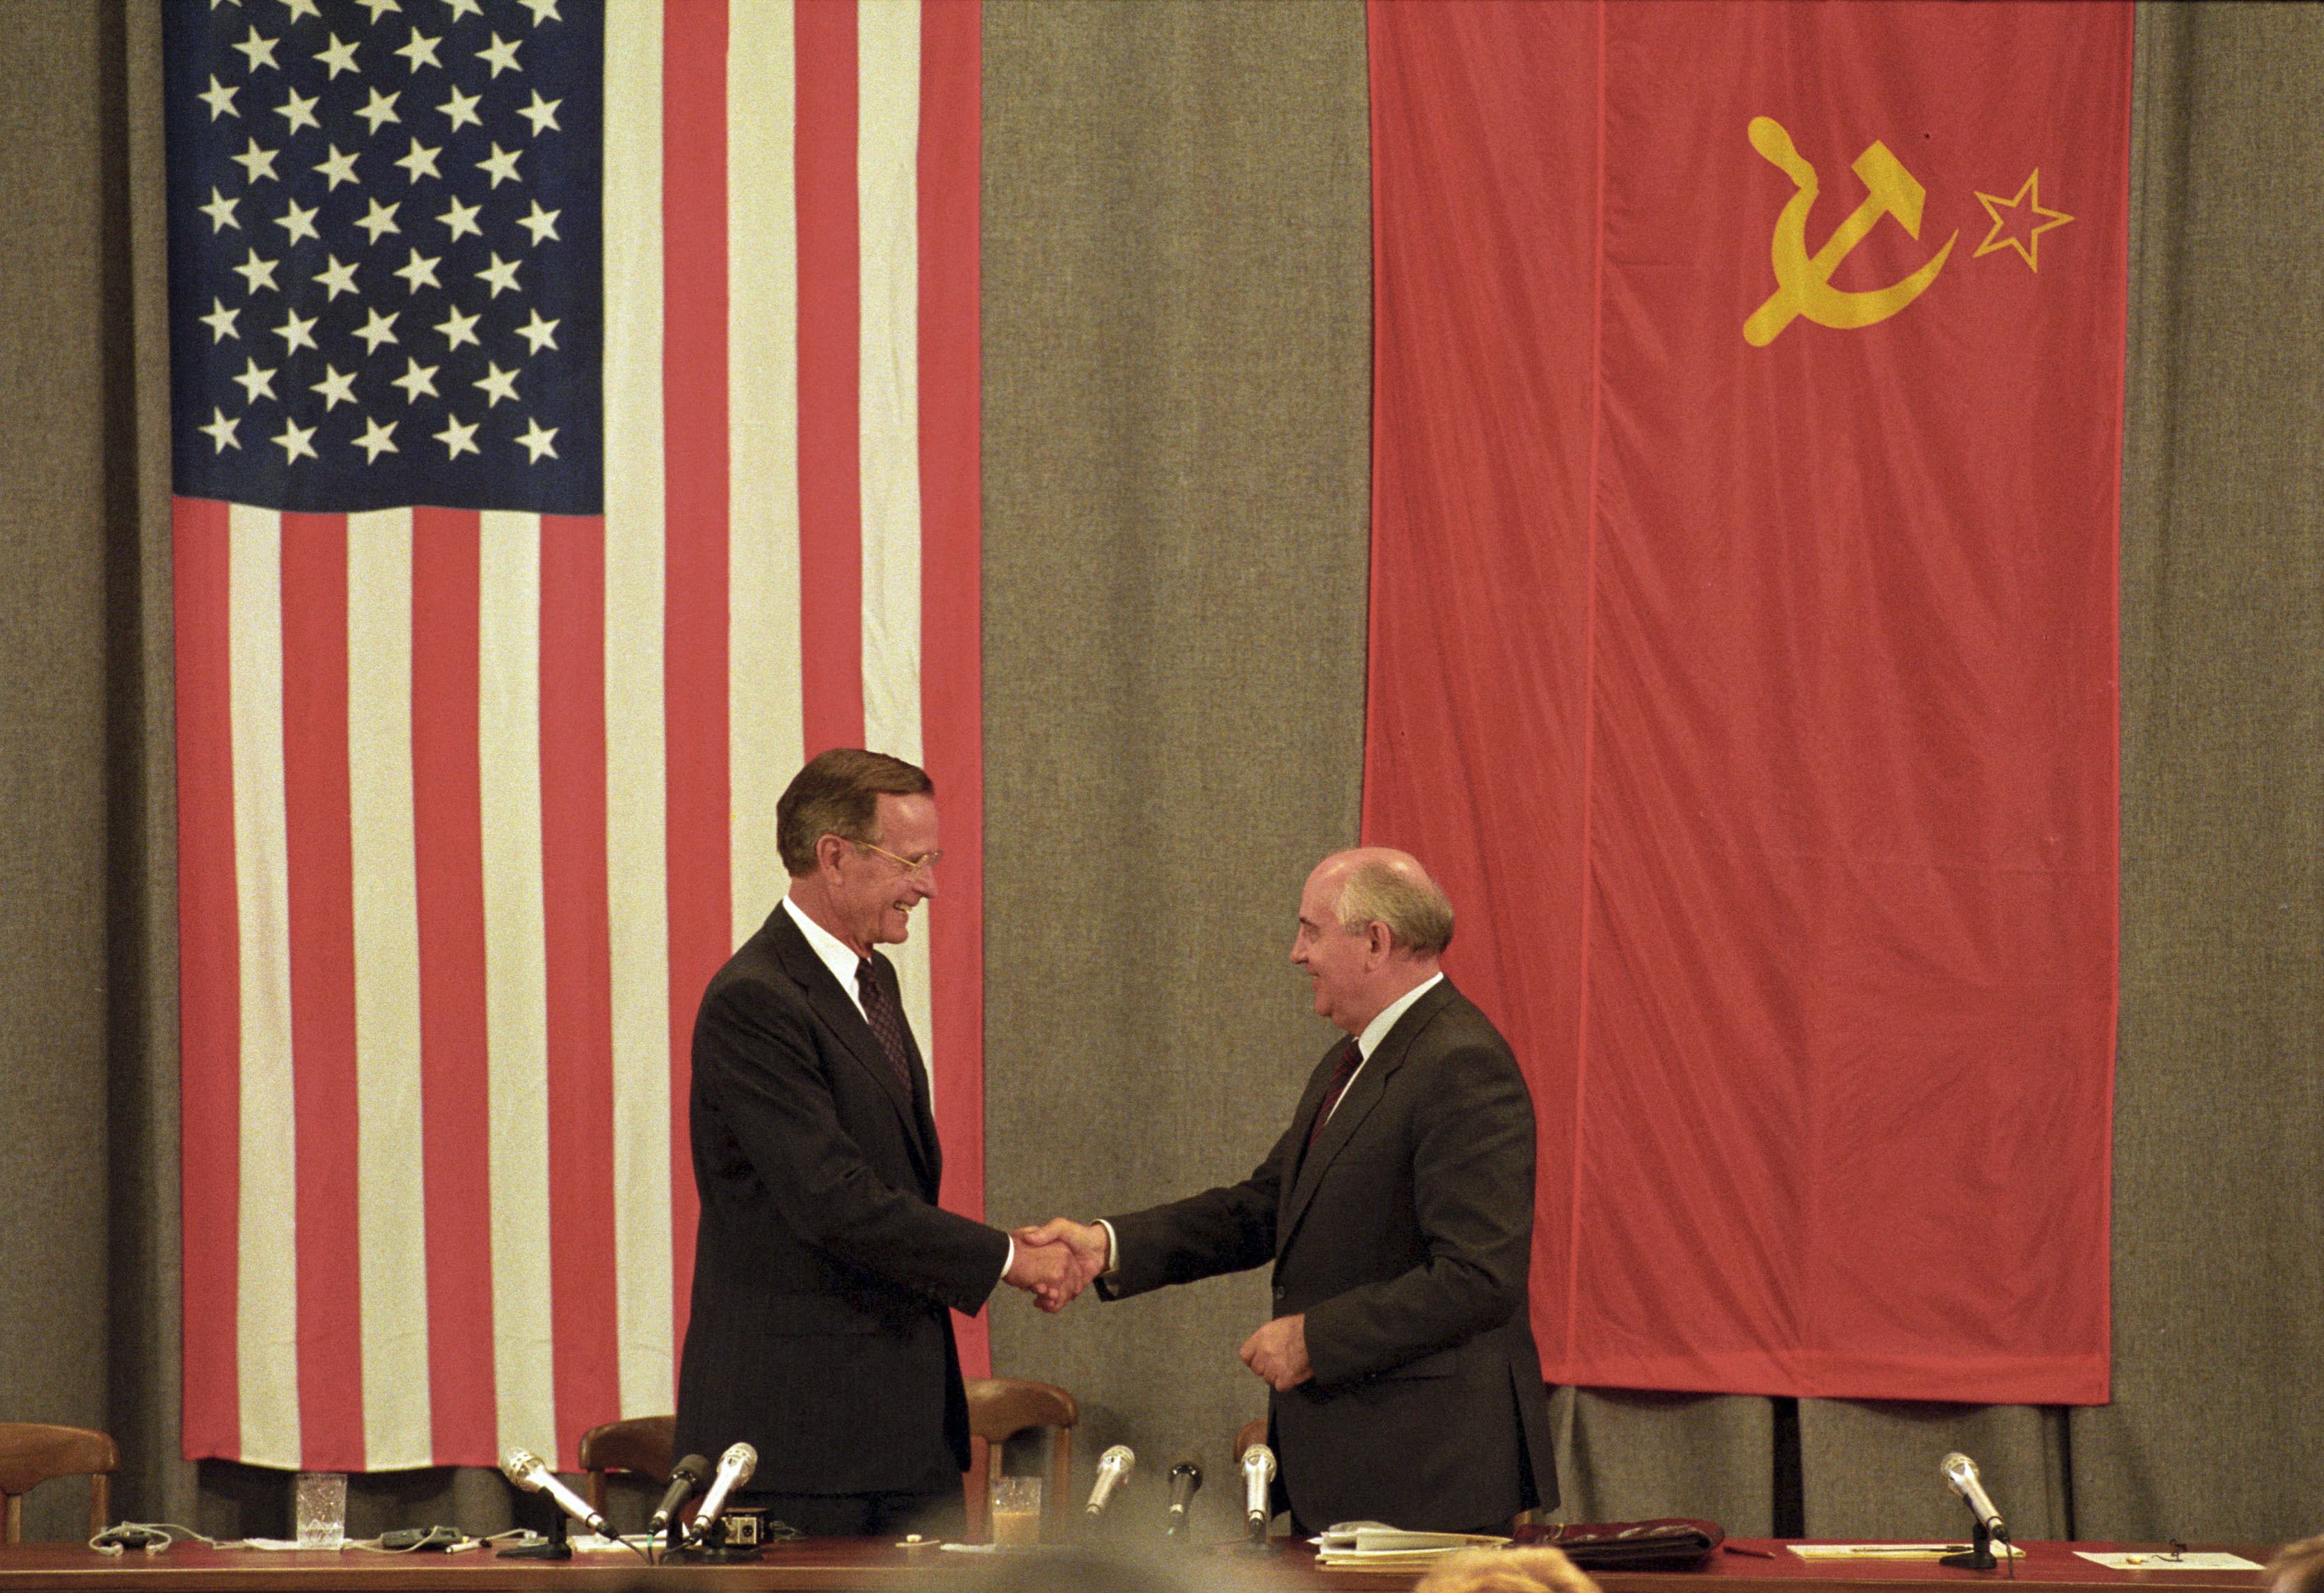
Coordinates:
(1260, 1459)
(1113, 1470)
(1961, 1472)
(522, 1468)
(744, 1459)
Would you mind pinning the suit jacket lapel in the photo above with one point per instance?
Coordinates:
(1364, 1093)
(830, 1003)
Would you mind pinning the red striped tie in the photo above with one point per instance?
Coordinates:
(1351, 1057)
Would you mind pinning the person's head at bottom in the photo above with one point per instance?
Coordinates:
(1506, 1570)
(2297, 1568)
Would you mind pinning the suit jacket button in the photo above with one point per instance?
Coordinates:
(1278, 1291)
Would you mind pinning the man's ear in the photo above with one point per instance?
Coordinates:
(828, 850)
(1378, 940)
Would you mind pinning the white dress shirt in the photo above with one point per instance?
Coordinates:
(835, 951)
(1377, 1030)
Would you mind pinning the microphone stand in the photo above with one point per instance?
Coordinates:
(555, 1546)
(1980, 1552)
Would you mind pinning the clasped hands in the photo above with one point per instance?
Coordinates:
(1056, 1261)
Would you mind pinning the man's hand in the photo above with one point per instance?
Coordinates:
(1044, 1272)
(1084, 1247)
(1278, 1352)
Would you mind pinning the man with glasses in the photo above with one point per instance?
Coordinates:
(824, 1268)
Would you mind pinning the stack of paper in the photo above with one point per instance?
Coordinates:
(1372, 1545)
(2169, 1560)
(1894, 1551)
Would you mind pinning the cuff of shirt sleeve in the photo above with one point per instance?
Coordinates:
(1113, 1250)
(1008, 1262)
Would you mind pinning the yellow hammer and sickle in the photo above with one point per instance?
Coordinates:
(1805, 282)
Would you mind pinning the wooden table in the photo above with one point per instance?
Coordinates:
(847, 1565)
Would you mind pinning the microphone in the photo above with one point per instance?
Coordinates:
(684, 1478)
(1185, 1482)
(1960, 1473)
(1113, 1470)
(1258, 1471)
(734, 1469)
(523, 1467)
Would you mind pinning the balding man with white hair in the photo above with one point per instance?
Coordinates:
(1398, 1212)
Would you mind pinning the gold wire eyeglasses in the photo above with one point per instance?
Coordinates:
(925, 863)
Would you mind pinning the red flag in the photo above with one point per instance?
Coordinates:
(1744, 659)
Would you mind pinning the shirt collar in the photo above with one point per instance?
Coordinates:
(833, 951)
(1377, 1030)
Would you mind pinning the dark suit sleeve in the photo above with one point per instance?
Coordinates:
(769, 1078)
(1472, 1172)
(1226, 1230)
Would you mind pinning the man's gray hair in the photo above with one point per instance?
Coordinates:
(1399, 895)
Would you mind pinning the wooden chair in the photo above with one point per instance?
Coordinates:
(32, 1452)
(998, 1409)
(640, 1444)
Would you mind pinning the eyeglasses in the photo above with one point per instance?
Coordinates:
(925, 863)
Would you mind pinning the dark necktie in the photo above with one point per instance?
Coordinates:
(886, 1016)
(1351, 1057)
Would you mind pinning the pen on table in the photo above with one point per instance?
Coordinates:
(1739, 1549)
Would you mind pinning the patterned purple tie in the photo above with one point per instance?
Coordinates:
(885, 1014)
(1351, 1057)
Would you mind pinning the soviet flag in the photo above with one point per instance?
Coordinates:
(1747, 457)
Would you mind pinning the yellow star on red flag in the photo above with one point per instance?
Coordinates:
(2029, 198)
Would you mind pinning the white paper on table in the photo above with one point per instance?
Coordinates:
(2157, 1560)
(1895, 1551)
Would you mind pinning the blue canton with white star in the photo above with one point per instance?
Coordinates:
(386, 265)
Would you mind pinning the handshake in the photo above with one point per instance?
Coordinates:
(1056, 1261)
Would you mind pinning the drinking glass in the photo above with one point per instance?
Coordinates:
(319, 1506)
(1016, 1512)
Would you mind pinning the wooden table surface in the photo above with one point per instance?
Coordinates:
(847, 1565)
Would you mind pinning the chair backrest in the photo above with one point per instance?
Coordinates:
(32, 1452)
(998, 1409)
(641, 1443)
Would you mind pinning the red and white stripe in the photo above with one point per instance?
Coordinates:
(472, 805)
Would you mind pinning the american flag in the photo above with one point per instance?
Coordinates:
(575, 426)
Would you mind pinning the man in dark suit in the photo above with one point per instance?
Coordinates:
(1397, 1211)
(824, 1268)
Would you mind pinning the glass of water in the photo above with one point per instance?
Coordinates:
(318, 1505)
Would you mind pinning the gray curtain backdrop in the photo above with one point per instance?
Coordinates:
(1178, 286)
(1176, 403)
(89, 1182)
